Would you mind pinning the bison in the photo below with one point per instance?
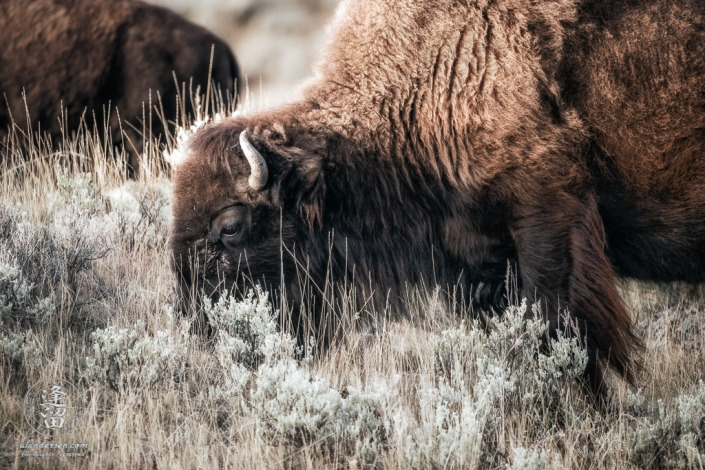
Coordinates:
(442, 141)
(108, 59)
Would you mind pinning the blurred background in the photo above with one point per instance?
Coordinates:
(276, 42)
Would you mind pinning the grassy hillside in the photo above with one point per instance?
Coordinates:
(87, 295)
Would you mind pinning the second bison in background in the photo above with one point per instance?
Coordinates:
(444, 140)
(90, 57)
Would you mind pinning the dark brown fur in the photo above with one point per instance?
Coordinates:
(442, 141)
(95, 56)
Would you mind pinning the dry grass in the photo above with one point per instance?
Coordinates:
(432, 390)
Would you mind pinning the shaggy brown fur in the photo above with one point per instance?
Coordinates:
(441, 140)
(91, 56)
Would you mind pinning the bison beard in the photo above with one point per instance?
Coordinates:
(442, 141)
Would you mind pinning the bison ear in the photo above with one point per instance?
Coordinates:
(309, 174)
(304, 188)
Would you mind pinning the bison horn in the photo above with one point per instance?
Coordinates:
(259, 172)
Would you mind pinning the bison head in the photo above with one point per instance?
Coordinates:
(245, 204)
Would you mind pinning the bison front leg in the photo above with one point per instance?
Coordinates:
(563, 266)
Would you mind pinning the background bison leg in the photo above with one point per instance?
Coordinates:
(563, 265)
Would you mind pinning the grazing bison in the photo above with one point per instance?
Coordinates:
(443, 140)
(94, 57)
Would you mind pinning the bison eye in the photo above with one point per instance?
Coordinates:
(231, 230)
(230, 226)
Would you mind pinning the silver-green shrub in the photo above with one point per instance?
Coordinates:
(139, 214)
(486, 373)
(532, 459)
(296, 409)
(17, 301)
(292, 408)
(55, 249)
(21, 310)
(247, 333)
(20, 348)
(125, 358)
(75, 191)
(671, 436)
